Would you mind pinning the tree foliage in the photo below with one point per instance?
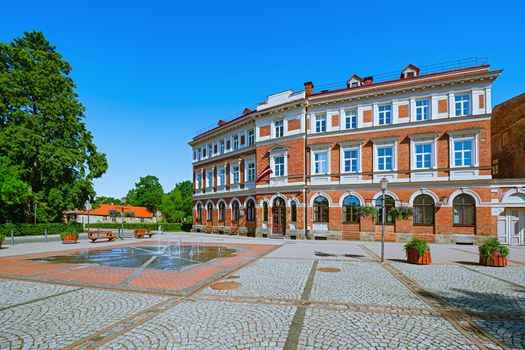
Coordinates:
(176, 205)
(47, 156)
(147, 193)
(106, 200)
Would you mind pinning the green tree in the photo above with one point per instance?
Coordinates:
(48, 155)
(106, 200)
(176, 205)
(147, 193)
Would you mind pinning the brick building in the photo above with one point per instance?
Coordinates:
(427, 133)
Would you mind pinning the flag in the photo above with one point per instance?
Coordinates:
(264, 174)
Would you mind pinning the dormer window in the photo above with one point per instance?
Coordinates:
(354, 81)
(410, 71)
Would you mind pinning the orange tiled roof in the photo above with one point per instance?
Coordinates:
(103, 210)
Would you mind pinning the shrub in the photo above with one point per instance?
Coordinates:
(366, 210)
(166, 226)
(2, 239)
(38, 229)
(486, 248)
(402, 212)
(417, 244)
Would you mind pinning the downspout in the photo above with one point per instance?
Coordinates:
(306, 171)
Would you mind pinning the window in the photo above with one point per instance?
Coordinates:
(279, 128)
(463, 152)
(351, 119)
(462, 105)
(235, 142)
(350, 205)
(389, 204)
(355, 83)
(320, 123)
(385, 114)
(209, 178)
(265, 212)
(235, 211)
(199, 180)
(423, 153)
(235, 173)
(423, 110)
(222, 211)
(199, 212)
(250, 171)
(423, 210)
(251, 138)
(385, 158)
(221, 179)
(210, 212)
(250, 210)
(350, 160)
(320, 209)
(321, 162)
(464, 208)
(210, 150)
(279, 166)
(293, 210)
(221, 146)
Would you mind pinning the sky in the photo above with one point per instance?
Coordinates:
(153, 73)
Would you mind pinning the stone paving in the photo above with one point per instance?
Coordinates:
(287, 299)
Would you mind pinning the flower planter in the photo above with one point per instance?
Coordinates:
(69, 238)
(496, 259)
(413, 257)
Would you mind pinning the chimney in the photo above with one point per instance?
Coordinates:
(368, 80)
(308, 88)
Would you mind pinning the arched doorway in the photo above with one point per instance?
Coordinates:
(278, 216)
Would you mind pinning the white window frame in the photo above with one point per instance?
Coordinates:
(198, 180)
(278, 128)
(320, 119)
(474, 140)
(209, 150)
(209, 179)
(221, 181)
(384, 114)
(421, 109)
(313, 161)
(251, 137)
(343, 159)
(248, 171)
(462, 104)
(392, 144)
(222, 146)
(235, 142)
(433, 153)
(351, 115)
(233, 173)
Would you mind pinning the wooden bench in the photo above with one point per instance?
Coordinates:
(143, 232)
(93, 236)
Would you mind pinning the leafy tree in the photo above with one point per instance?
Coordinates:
(147, 193)
(107, 200)
(176, 205)
(129, 214)
(48, 155)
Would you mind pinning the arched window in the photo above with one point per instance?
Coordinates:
(320, 209)
(389, 204)
(235, 211)
(222, 211)
(423, 210)
(250, 210)
(350, 205)
(265, 212)
(293, 210)
(199, 212)
(464, 210)
(210, 212)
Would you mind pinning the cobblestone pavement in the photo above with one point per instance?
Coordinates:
(284, 301)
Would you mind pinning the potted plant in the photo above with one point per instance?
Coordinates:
(69, 235)
(418, 252)
(367, 210)
(493, 253)
(402, 212)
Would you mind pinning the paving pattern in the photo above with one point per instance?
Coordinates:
(284, 301)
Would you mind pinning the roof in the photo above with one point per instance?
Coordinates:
(104, 209)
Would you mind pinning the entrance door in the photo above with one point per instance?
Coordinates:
(279, 216)
(511, 226)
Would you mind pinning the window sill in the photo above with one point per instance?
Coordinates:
(460, 225)
(423, 224)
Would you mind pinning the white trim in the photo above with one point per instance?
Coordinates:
(424, 191)
(219, 201)
(351, 193)
(510, 193)
(389, 193)
(248, 198)
(454, 194)
(322, 194)
(277, 195)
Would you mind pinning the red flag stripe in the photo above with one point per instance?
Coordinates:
(265, 173)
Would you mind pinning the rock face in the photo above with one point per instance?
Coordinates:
(508, 138)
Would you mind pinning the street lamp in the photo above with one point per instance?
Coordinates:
(122, 201)
(384, 185)
(88, 208)
(158, 214)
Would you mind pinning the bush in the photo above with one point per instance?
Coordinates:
(417, 244)
(38, 229)
(166, 226)
(2, 239)
(486, 248)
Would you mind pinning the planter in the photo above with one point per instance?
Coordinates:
(413, 257)
(69, 238)
(495, 260)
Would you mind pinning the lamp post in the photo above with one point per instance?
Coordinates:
(35, 207)
(88, 208)
(122, 201)
(157, 214)
(384, 185)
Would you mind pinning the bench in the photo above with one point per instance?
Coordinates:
(143, 232)
(93, 236)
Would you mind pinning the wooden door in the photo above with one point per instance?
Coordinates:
(278, 216)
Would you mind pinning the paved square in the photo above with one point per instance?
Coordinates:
(293, 295)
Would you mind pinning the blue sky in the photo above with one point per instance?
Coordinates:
(153, 73)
